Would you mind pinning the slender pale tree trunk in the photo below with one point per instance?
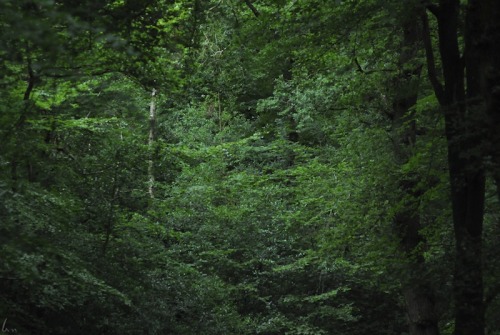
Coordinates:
(151, 142)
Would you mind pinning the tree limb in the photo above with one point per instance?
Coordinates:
(252, 8)
(433, 8)
(360, 69)
(31, 81)
(67, 72)
(429, 54)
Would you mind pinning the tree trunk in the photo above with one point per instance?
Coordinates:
(420, 306)
(488, 12)
(465, 163)
(417, 293)
(151, 141)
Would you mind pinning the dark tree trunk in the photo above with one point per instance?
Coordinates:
(462, 113)
(417, 292)
(420, 306)
(488, 12)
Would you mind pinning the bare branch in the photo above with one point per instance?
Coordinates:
(31, 81)
(68, 72)
(433, 8)
(429, 54)
(252, 8)
(360, 69)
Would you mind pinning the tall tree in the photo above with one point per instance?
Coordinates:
(417, 289)
(462, 96)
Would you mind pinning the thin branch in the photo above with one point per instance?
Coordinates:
(252, 8)
(380, 70)
(434, 9)
(31, 81)
(78, 73)
(360, 69)
(429, 54)
(27, 93)
(213, 7)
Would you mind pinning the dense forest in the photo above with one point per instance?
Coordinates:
(243, 167)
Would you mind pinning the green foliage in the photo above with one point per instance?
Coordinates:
(278, 170)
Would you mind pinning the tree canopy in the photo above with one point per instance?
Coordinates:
(250, 167)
